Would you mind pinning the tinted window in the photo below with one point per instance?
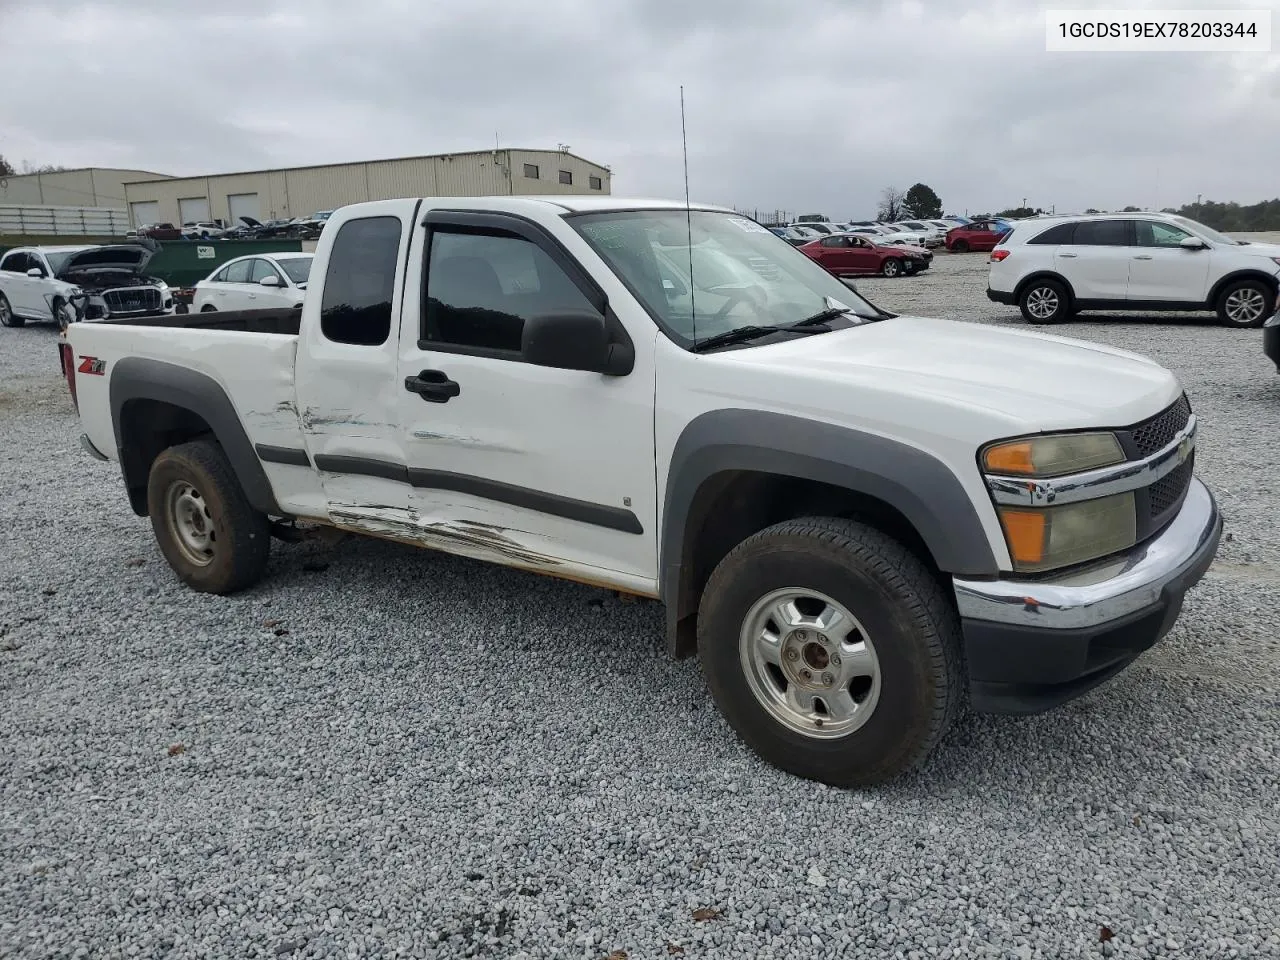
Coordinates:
(1152, 234)
(1060, 233)
(1102, 233)
(360, 281)
(238, 272)
(261, 269)
(482, 287)
(15, 263)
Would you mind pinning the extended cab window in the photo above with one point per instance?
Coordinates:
(360, 281)
(482, 287)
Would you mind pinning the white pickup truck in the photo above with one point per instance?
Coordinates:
(859, 521)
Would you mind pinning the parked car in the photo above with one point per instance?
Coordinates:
(203, 230)
(980, 235)
(823, 229)
(852, 254)
(160, 231)
(887, 234)
(856, 533)
(1052, 267)
(1271, 339)
(260, 282)
(64, 284)
(930, 235)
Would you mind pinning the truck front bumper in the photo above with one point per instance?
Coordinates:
(1032, 645)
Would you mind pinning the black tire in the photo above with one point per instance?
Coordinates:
(208, 308)
(908, 268)
(1045, 301)
(1245, 303)
(239, 537)
(7, 317)
(891, 267)
(960, 246)
(908, 620)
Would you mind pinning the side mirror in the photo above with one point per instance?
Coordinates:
(35, 273)
(1192, 243)
(270, 281)
(575, 340)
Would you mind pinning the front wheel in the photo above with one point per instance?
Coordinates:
(891, 267)
(214, 540)
(1246, 303)
(1045, 301)
(7, 317)
(831, 650)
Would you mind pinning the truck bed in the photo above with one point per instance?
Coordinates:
(282, 320)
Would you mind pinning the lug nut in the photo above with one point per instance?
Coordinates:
(822, 638)
(791, 654)
(828, 679)
(801, 635)
(835, 661)
(806, 674)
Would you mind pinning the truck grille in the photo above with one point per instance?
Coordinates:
(1158, 432)
(1168, 490)
(133, 300)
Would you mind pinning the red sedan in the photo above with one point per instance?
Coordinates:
(853, 255)
(980, 235)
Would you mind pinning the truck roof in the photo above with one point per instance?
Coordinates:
(562, 204)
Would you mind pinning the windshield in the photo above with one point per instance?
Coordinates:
(298, 268)
(58, 260)
(742, 273)
(1206, 232)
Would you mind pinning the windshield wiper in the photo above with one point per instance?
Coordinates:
(749, 332)
(822, 316)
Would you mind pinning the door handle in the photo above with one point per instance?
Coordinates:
(1143, 256)
(1067, 255)
(434, 386)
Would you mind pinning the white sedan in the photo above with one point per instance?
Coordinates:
(263, 281)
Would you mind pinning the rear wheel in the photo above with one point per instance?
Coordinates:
(1245, 303)
(891, 267)
(831, 650)
(205, 527)
(1045, 301)
(7, 318)
(960, 246)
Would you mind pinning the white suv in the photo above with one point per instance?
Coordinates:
(1054, 267)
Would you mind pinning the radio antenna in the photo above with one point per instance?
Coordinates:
(688, 219)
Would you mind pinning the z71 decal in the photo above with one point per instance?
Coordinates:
(92, 365)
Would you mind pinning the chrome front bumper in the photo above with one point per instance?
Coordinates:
(1032, 644)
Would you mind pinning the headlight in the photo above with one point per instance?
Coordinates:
(1045, 538)
(1052, 456)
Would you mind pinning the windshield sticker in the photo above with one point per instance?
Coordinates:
(747, 226)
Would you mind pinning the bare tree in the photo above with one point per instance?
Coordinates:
(892, 205)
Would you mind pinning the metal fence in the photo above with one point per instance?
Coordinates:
(768, 217)
(63, 221)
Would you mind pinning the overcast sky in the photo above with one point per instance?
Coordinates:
(803, 105)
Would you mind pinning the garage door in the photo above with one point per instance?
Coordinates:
(145, 211)
(243, 205)
(193, 209)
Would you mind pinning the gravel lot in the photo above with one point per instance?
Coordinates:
(386, 752)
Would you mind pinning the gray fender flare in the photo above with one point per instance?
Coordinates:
(138, 378)
(918, 485)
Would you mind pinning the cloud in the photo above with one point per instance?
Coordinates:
(812, 106)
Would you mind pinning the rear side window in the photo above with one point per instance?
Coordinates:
(360, 281)
(1060, 233)
(1101, 233)
(482, 287)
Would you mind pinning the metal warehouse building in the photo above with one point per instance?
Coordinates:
(86, 187)
(300, 191)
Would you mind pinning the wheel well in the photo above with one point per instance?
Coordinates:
(147, 429)
(731, 506)
(1042, 275)
(1268, 280)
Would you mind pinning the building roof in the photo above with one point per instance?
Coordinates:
(54, 173)
(355, 163)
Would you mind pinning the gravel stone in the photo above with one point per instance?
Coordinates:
(424, 756)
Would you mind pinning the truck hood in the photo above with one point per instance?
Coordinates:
(1030, 381)
(132, 257)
